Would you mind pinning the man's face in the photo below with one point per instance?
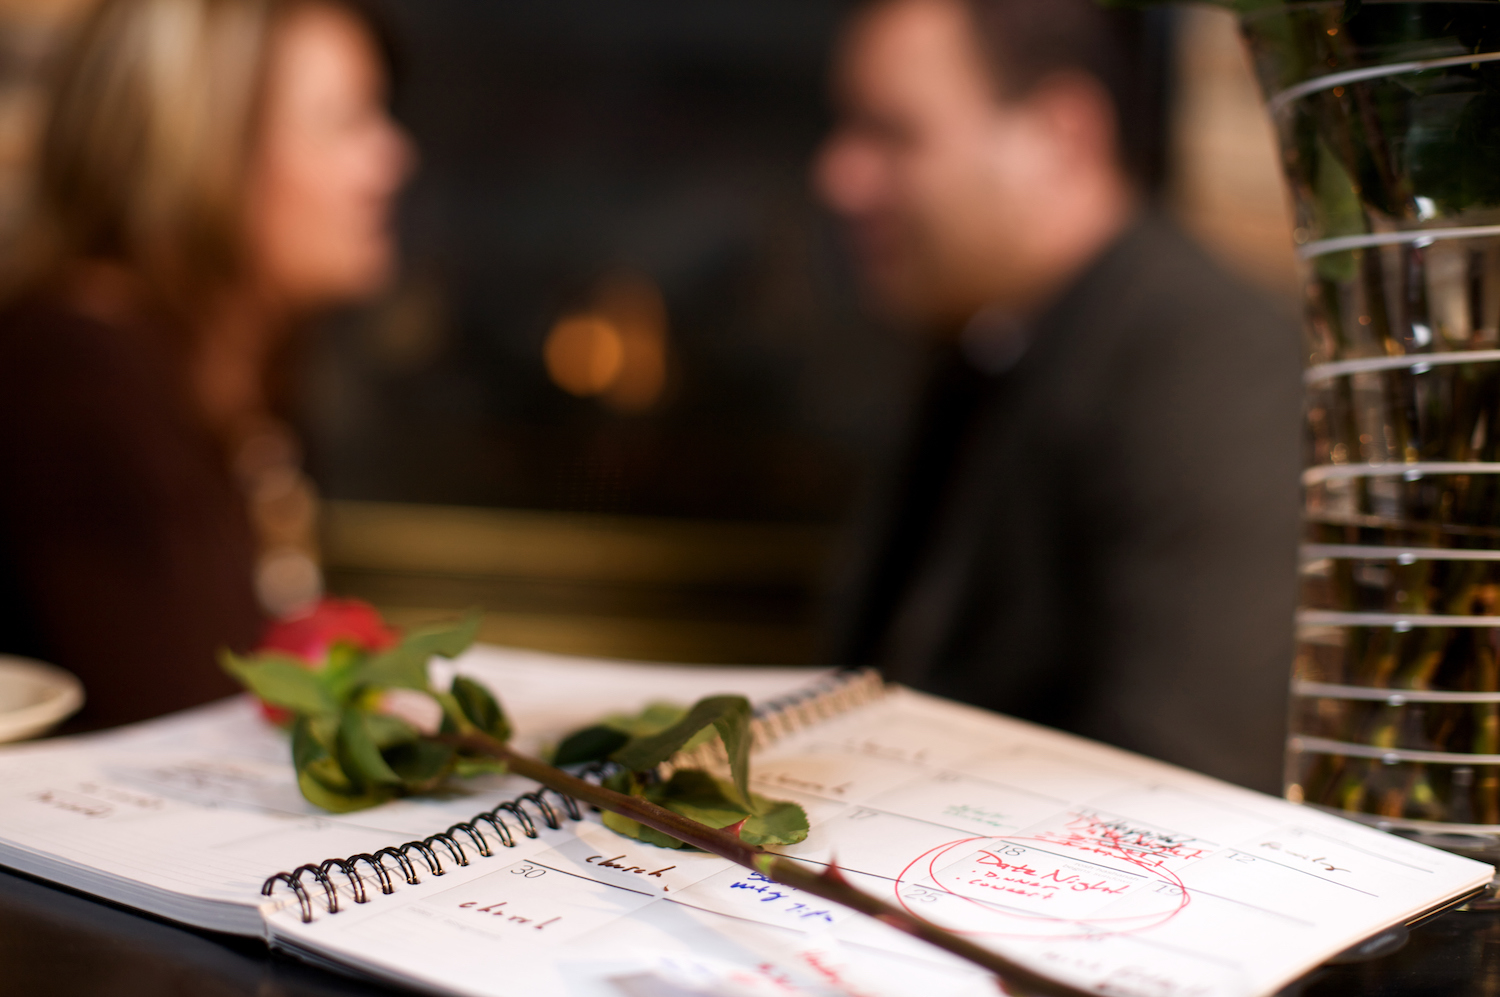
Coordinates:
(930, 169)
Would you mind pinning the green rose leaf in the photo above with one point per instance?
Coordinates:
(359, 756)
(591, 744)
(698, 795)
(420, 765)
(730, 715)
(405, 665)
(702, 797)
(598, 741)
(282, 681)
(306, 748)
(323, 785)
(388, 731)
(466, 766)
(340, 672)
(734, 727)
(399, 668)
(481, 708)
(776, 822)
(320, 777)
(654, 719)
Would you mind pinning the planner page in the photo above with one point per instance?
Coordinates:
(1119, 874)
(186, 816)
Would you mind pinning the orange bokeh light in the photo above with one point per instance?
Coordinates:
(615, 351)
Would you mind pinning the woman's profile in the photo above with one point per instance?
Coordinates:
(211, 173)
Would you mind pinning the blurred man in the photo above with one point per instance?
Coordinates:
(1095, 524)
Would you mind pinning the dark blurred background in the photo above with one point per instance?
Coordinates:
(624, 396)
(651, 149)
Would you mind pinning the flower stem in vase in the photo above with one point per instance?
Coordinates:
(1487, 794)
(1321, 778)
(1413, 584)
(1371, 160)
(1419, 800)
(1382, 652)
(1461, 796)
(1353, 789)
(1390, 793)
(1487, 737)
(1422, 800)
(1425, 655)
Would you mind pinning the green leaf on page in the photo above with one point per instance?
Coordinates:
(481, 708)
(776, 822)
(591, 744)
(734, 727)
(653, 719)
(405, 665)
(700, 796)
(598, 741)
(729, 715)
(467, 767)
(421, 765)
(340, 676)
(323, 785)
(387, 731)
(358, 755)
(282, 681)
(306, 748)
(709, 800)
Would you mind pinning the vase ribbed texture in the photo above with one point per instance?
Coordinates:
(1389, 124)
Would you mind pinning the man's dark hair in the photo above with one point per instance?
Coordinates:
(1127, 51)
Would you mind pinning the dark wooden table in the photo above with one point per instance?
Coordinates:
(56, 943)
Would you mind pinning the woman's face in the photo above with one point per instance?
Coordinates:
(326, 166)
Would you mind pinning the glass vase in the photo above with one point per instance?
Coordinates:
(1388, 117)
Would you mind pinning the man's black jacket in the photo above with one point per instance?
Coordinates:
(1102, 537)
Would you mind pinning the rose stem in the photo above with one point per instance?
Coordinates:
(829, 884)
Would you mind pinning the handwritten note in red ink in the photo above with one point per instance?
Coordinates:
(1092, 875)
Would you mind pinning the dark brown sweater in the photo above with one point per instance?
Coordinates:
(125, 548)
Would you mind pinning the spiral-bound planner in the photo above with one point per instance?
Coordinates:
(1112, 871)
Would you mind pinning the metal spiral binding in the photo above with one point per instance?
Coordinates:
(426, 850)
(771, 722)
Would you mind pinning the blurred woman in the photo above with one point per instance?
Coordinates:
(212, 173)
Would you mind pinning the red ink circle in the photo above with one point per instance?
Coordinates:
(933, 855)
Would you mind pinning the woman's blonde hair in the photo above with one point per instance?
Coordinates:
(143, 159)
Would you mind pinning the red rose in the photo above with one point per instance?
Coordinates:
(309, 635)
